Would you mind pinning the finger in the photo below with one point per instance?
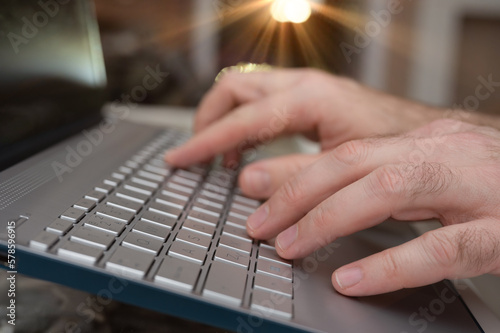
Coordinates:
(337, 169)
(261, 179)
(457, 251)
(235, 89)
(261, 121)
(401, 191)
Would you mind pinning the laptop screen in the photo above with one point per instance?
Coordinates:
(52, 74)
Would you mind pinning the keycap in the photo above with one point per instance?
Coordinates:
(213, 196)
(85, 204)
(151, 176)
(203, 227)
(105, 224)
(44, 240)
(175, 193)
(232, 256)
(271, 254)
(72, 214)
(129, 262)
(243, 208)
(184, 189)
(131, 164)
(183, 250)
(184, 181)
(235, 221)
(194, 237)
(95, 195)
(144, 182)
(152, 229)
(92, 237)
(206, 210)
(216, 189)
(79, 252)
(115, 213)
(105, 188)
(129, 205)
(275, 269)
(125, 170)
(131, 195)
(196, 215)
(155, 169)
(164, 209)
(246, 201)
(235, 243)
(205, 202)
(237, 215)
(237, 232)
(165, 220)
(220, 287)
(177, 273)
(140, 241)
(270, 283)
(135, 187)
(272, 303)
(189, 175)
(171, 201)
(59, 226)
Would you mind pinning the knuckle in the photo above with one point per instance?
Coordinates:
(386, 181)
(321, 220)
(428, 178)
(477, 249)
(352, 152)
(441, 248)
(291, 192)
(390, 266)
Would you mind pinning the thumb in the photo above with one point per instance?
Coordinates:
(456, 251)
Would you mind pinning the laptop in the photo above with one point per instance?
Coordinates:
(89, 203)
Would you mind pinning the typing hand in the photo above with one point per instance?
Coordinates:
(447, 170)
(243, 110)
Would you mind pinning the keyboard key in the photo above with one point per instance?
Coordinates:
(72, 214)
(187, 251)
(135, 187)
(105, 188)
(237, 232)
(246, 201)
(272, 303)
(275, 269)
(129, 262)
(177, 273)
(158, 170)
(152, 229)
(232, 214)
(95, 195)
(271, 254)
(125, 170)
(59, 226)
(144, 182)
(93, 237)
(189, 175)
(186, 190)
(232, 256)
(171, 201)
(132, 165)
(194, 237)
(235, 243)
(213, 196)
(205, 202)
(140, 241)
(105, 224)
(203, 217)
(132, 195)
(115, 213)
(206, 210)
(184, 181)
(270, 283)
(44, 240)
(216, 189)
(164, 209)
(242, 208)
(219, 287)
(80, 253)
(237, 222)
(203, 227)
(175, 193)
(151, 176)
(85, 204)
(124, 204)
(164, 220)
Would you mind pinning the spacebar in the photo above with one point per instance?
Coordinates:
(225, 282)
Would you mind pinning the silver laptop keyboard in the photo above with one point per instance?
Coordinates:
(183, 229)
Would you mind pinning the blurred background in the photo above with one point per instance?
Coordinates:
(431, 51)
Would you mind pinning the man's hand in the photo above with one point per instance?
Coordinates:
(447, 170)
(243, 110)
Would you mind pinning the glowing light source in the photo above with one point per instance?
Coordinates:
(295, 11)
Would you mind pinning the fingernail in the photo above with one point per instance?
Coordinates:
(348, 277)
(258, 180)
(287, 237)
(259, 217)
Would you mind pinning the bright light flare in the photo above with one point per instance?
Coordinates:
(295, 11)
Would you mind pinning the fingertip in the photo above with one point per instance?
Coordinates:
(346, 280)
(255, 182)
